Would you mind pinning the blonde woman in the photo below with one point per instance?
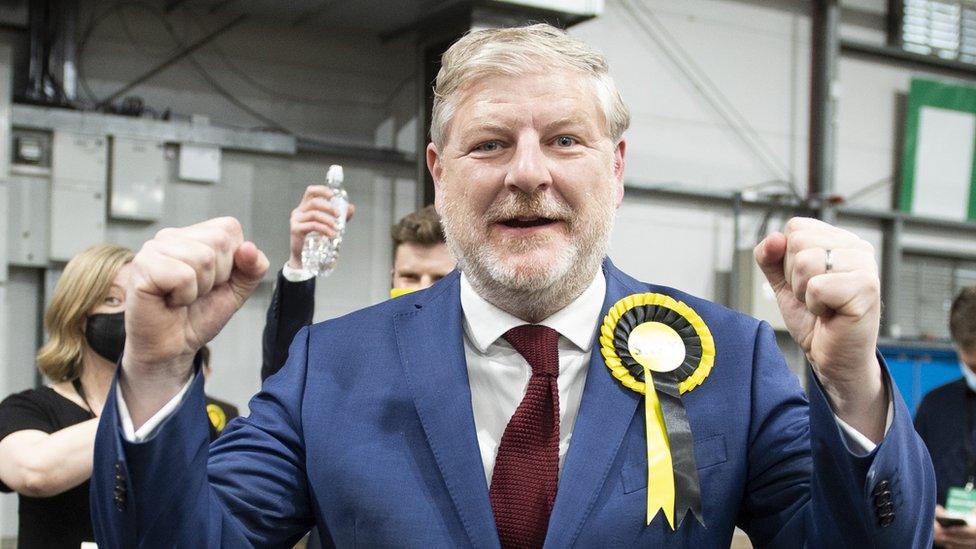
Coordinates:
(47, 435)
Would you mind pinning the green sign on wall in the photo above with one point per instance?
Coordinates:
(938, 171)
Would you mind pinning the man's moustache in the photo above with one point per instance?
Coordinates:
(521, 211)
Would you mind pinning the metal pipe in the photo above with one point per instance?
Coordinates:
(38, 21)
(391, 157)
(825, 48)
(734, 271)
(68, 13)
(891, 254)
(724, 199)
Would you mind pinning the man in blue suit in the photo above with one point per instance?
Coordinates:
(481, 411)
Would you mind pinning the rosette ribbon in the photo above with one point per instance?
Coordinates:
(659, 347)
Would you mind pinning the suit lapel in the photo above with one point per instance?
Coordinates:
(432, 352)
(606, 411)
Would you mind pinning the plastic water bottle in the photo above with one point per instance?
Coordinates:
(319, 252)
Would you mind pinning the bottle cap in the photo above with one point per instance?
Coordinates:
(334, 177)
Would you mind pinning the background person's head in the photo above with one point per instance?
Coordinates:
(962, 326)
(527, 160)
(420, 255)
(84, 320)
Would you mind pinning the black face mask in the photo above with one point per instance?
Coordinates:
(105, 334)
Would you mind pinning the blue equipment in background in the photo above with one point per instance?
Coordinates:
(917, 369)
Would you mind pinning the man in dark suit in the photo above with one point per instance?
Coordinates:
(420, 258)
(945, 422)
(504, 405)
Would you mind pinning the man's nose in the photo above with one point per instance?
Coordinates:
(528, 171)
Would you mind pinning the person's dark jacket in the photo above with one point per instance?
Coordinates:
(941, 422)
(291, 309)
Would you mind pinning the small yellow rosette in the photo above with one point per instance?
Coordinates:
(217, 417)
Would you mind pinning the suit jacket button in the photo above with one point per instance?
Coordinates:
(882, 499)
(886, 520)
(880, 488)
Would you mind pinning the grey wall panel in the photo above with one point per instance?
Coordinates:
(79, 171)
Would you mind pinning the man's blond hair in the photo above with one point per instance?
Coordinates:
(515, 52)
(84, 283)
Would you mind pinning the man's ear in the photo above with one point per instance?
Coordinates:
(434, 163)
(436, 169)
(618, 169)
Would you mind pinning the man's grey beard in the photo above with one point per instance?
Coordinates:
(532, 298)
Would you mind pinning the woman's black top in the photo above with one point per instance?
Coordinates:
(63, 520)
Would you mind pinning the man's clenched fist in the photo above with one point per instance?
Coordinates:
(186, 283)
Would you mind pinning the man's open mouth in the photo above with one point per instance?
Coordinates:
(526, 222)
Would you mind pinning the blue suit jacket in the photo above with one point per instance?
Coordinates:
(368, 432)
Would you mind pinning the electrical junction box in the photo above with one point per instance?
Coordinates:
(199, 163)
(753, 294)
(138, 179)
(79, 170)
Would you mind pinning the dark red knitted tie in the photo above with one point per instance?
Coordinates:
(523, 483)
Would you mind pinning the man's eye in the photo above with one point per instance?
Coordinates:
(565, 141)
(488, 146)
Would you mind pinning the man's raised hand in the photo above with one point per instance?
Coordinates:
(828, 291)
(186, 283)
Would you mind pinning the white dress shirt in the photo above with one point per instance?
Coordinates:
(499, 376)
(292, 274)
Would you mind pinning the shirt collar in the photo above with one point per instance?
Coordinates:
(484, 323)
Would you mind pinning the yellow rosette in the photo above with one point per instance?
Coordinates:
(217, 417)
(397, 292)
(659, 347)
